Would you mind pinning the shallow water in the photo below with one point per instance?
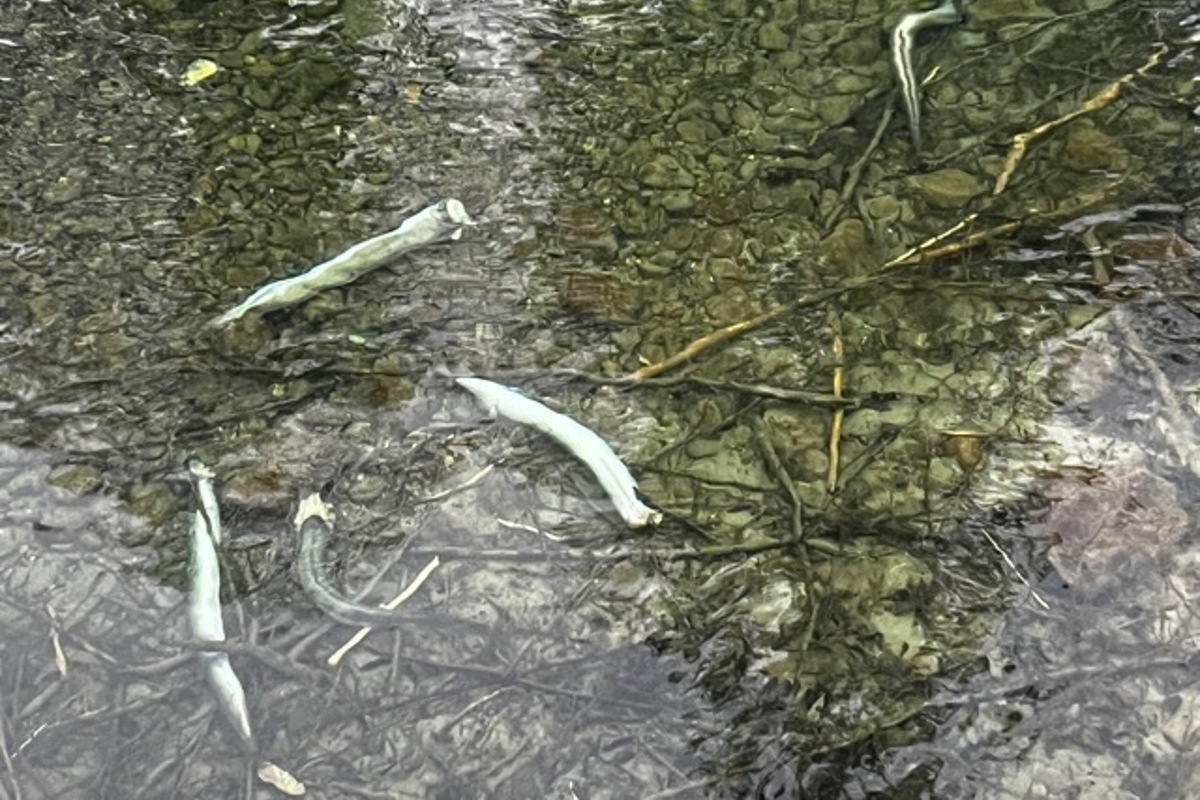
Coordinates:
(1003, 568)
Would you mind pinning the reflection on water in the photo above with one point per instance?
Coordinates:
(986, 453)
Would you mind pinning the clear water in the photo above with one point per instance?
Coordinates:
(994, 601)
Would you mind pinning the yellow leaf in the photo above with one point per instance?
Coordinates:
(280, 778)
(197, 71)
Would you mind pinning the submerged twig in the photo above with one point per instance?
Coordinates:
(781, 474)
(7, 758)
(924, 252)
(467, 484)
(1016, 571)
(722, 335)
(757, 389)
(835, 429)
(854, 173)
(1021, 142)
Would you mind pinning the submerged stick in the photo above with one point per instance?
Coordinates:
(835, 429)
(444, 220)
(204, 603)
(583, 443)
(710, 340)
(1021, 142)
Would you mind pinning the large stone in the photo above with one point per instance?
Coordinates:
(947, 188)
(665, 172)
(1088, 149)
(772, 37)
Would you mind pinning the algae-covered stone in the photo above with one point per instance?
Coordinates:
(585, 227)
(724, 242)
(77, 478)
(697, 131)
(947, 188)
(836, 109)
(679, 238)
(153, 502)
(1088, 149)
(883, 208)
(66, 188)
(665, 172)
(746, 116)
(722, 209)
(734, 463)
(846, 247)
(678, 201)
(862, 50)
(363, 18)
(248, 142)
(260, 486)
(902, 635)
(730, 306)
(875, 572)
(772, 37)
(45, 308)
(1010, 11)
(245, 276)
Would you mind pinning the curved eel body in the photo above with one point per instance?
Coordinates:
(904, 38)
(313, 521)
(204, 603)
(582, 442)
(444, 220)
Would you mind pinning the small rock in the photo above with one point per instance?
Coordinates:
(582, 227)
(1088, 149)
(1101, 528)
(77, 478)
(746, 117)
(243, 277)
(772, 37)
(966, 449)
(846, 248)
(260, 488)
(678, 201)
(1008, 11)
(947, 188)
(696, 131)
(665, 172)
(365, 488)
(384, 391)
(724, 242)
(883, 208)
(153, 502)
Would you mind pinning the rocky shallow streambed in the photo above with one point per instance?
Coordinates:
(855, 490)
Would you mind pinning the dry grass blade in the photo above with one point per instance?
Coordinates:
(391, 605)
(467, 484)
